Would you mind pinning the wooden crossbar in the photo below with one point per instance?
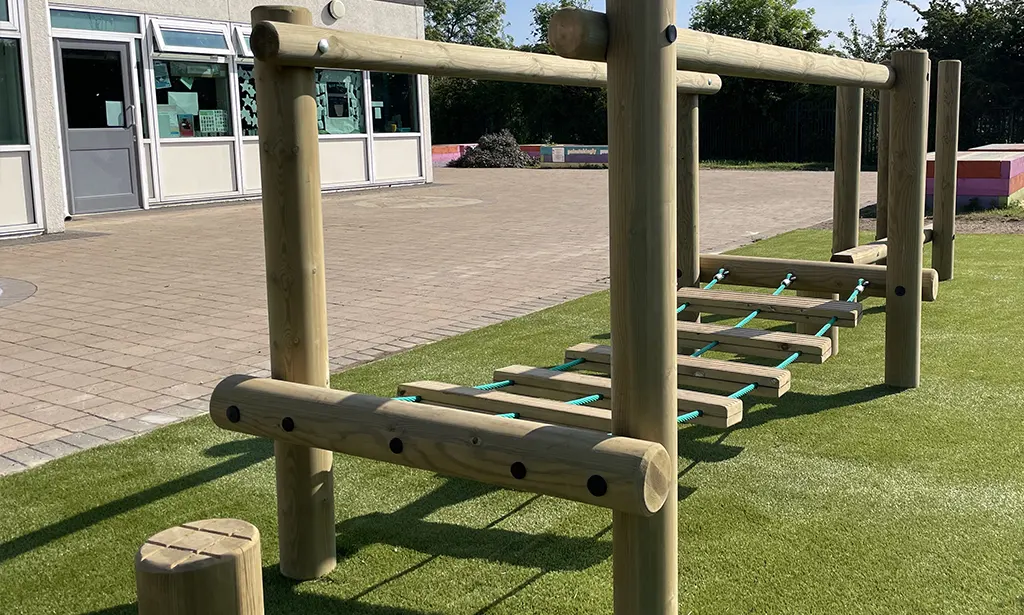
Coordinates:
(700, 372)
(532, 407)
(625, 474)
(874, 252)
(536, 381)
(810, 275)
(754, 342)
(786, 308)
(298, 45)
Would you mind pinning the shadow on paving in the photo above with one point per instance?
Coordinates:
(244, 453)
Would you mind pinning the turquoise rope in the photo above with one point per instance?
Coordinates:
(718, 276)
(796, 355)
(490, 386)
(408, 398)
(583, 401)
(510, 415)
(566, 366)
(778, 291)
(683, 418)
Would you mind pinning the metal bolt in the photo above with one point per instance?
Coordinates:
(323, 45)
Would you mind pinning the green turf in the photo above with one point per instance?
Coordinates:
(843, 497)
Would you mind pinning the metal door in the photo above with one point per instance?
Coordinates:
(99, 126)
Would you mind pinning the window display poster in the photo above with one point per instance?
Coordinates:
(378, 108)
(167, 122)
(187, 103)
(161, 76)
(185, 127)
(212, 121)
(115, 113)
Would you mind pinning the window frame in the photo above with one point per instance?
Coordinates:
(13, 23)
(240, 32)
(157, 26)
(233, 100)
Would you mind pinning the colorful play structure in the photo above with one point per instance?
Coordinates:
(606, 437)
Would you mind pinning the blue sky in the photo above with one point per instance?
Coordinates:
(829, 14)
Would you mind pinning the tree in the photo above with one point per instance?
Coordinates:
(467, 22)
(776, 22)
(875, 45)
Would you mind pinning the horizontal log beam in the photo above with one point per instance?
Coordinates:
(297, 45)
(583, 35)
(872, 253)
(698, 372)
(806, 310)
(814, 276)
(530, 380)
(624, 474)
(754, 342)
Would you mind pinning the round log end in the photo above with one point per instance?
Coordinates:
(265, 41)
(659, 477)
(579, 34)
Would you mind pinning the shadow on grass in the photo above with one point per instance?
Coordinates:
(244, 453)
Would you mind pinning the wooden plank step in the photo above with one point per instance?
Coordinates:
(534, 408)
(700, 372)
(569, 385)
(754, 342)
(787, 308)
(873, 253)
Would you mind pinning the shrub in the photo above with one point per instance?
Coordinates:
(495, 150)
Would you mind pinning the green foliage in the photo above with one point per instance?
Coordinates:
(467, 22)
(776, 22)
(495, 151)
(876, 44)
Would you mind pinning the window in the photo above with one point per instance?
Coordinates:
(192, 99)
(142, 88)
(394, 102)
(242, 41)
(339, 101)
(7, 15)
(95, 78)
(12, 102)
(100, 22)
(175, 37)
(5, 11)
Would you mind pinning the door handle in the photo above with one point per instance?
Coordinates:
(129, 116)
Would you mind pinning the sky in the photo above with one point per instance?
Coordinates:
(828, 14)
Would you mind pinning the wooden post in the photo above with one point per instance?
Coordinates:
(908, 149)
(207, 567)
(642, 203)
(296, 297)
(688, 195)
(882, 200)
(947, 141)
(846, 186)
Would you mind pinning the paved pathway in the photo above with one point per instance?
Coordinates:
(127, 321)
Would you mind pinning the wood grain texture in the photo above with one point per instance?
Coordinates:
(809, 327)
(782, 307)
(688, 190)
(947, 142)
(559, 461)
(209, 567)
(582, 385)
(822, 277)
(699, 372)
(754, 342)
(874, 252)
(908, 148)
(296, 296)
(882, 178)
(583, 34)
(296, 45)
(846, 179)
(642, 263)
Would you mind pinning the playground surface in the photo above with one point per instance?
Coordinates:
(842, 497)
(131, 319)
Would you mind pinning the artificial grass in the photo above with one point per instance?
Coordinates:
(842, 497)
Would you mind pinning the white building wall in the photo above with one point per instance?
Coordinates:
(403, 18)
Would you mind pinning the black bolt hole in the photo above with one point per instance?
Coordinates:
(597, 485)
(679, 273)
(396, 445)
(518, 470)
(900, 291)
(671, 33)
(287, 423)
(234, 414)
